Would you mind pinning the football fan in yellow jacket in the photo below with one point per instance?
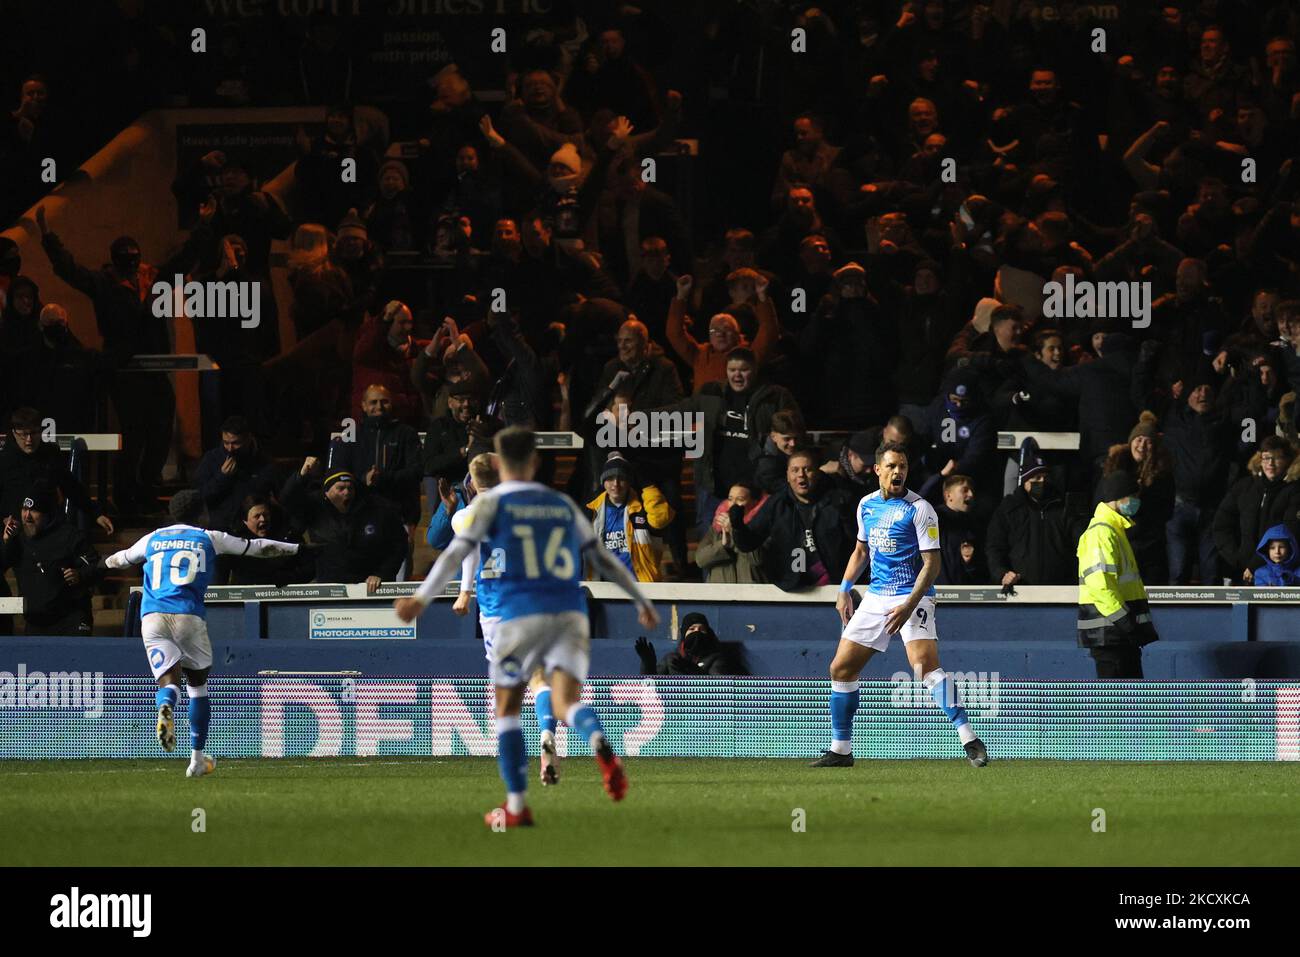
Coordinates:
(1114, 618)
(626, 521)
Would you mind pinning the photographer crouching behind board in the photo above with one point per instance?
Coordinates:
(698, 652)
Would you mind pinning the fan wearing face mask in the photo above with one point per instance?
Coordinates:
(699, 652)
(1114, 617)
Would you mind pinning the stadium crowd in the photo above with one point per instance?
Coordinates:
(880, 278)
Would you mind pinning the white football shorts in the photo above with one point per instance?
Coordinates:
(170, 639)
(546, 641)
(488, 624)
(867, 626)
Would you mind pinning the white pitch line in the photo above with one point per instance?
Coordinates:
(323, 763)
(21, 774)
(228, 767)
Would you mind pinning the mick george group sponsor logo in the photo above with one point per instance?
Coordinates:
(75, 910)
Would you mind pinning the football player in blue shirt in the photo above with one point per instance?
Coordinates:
(179, 561)
(479, 570)
(536, 538)
(898, 532)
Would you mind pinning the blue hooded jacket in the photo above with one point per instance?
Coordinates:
(1274, 574)
(440, 533)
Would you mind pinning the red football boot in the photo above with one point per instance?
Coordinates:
(611, 770)
(499, 815)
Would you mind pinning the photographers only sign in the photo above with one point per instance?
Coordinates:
(357, 624)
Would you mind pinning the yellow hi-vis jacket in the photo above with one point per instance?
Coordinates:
(1113, 606)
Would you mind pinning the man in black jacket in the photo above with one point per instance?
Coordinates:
(448, 439)
(995, 353)
(229, 473)
(850, 348)
(737, 419)
(960, 437)
(144, 401)
(1182, 320)
(62, 373)
(639, 370)
(927, 321)
(260, 516)
(522, 395)
(963, 533)
(1200, 437)
(327, 196)
(787, 434)
(1104, 392)
(1025, 400)
(652, 288)
(632, 209)
(238, 208)
(26, 459)
(1034, 532)
(851, 469)
(1257, 502)
(385, 457)
(360, 536)
(808, 527)
(57, 568)
(638, 377)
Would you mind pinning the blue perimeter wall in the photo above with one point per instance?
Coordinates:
(1021, 642)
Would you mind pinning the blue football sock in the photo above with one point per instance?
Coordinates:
(944, 691)
(200, 715)
(545, 716)
(512, 756)
(167, 695)
(844, 705)
(583, 719)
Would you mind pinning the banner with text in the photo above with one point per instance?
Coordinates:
(331, 716)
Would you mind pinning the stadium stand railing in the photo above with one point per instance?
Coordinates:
(1207, 633)
(172, 362)
(768, 594)
(550, 441)
(90, 441)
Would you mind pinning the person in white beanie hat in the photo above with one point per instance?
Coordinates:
(565, 170)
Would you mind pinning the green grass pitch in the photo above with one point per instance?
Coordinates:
(679, 811)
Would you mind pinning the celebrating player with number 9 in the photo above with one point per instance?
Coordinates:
(898, 531)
